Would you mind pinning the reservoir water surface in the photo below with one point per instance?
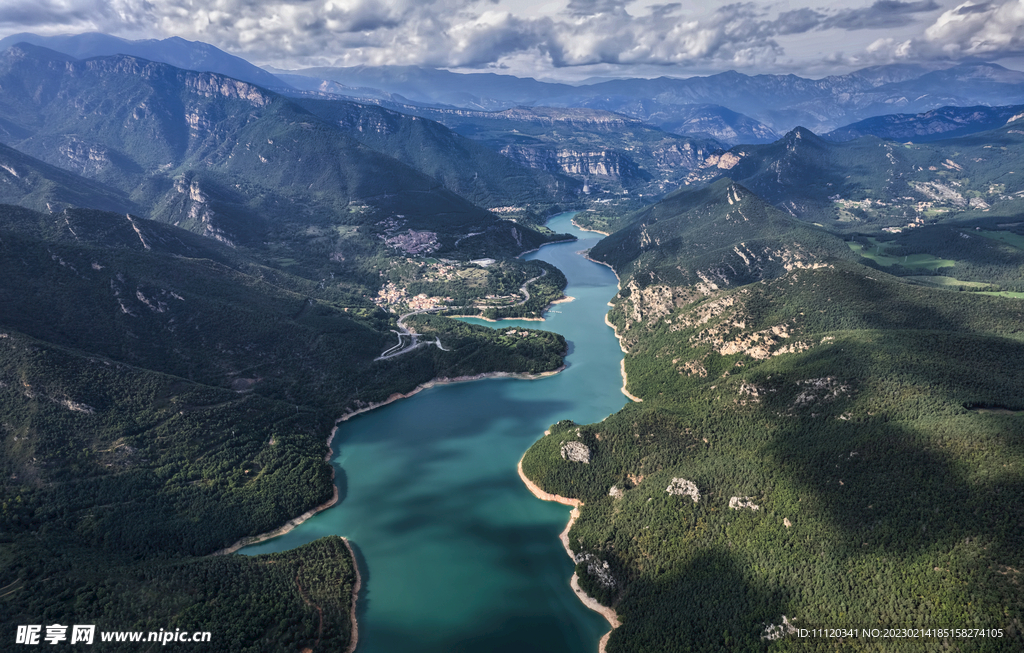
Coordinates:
(456, 554)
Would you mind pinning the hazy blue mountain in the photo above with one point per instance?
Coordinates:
(781, 102)
(938, 124)
(484, 91)
(176, 51)
(697, 120)
(302, 86)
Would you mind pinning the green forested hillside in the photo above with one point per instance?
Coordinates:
(871, 185)
(463, 166)
(164, 395)
(31, 183)
(855, 444)
(972, 257)
(224, 158)
(294, 600)
(718, 235)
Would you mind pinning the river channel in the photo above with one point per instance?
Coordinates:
(456, 554)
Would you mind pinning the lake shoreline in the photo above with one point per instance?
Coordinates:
(574, 583)
(362, 407)
(290, 525)
(443, 380)
(593, 231)
(354, 640)
(622, 366)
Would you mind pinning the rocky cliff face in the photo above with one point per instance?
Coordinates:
(578, 163)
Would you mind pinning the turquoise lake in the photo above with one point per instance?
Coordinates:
(455, 553)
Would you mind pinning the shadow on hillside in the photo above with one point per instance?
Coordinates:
(726, 608)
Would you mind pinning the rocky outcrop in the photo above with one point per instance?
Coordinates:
(576, 452)
(596, 568)
(212, 85)
(683, 487)
(824, 389)
(773, 632)
(739, 503)
(649, 304)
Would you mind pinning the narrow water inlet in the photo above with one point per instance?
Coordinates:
(457, 555)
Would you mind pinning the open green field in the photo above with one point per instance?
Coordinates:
(1007, 237)
(1005, 293)
(877, 253)
(947, 282)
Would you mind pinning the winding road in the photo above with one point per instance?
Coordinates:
(414, 338)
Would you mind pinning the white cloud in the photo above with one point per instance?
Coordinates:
(978, 29)
(594, 34)
(990, 30)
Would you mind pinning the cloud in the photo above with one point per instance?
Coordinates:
(480, 33)
(734, 35)
(594, 7)
(35, 13)
(882, 14)
(989, 30)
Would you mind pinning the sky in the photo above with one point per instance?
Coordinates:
(568, 40)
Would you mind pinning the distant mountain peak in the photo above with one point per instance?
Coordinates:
(176, 51)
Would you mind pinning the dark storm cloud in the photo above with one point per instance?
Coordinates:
(884, 13)
(594, 7)
(666, 10)
(46, 12)
(798, 21)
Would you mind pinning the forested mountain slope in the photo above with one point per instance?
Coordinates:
(164, 395)
(36, 185)
(822, 445)
(934, 125)
(612, 152)
(218, 156)
(716, 236)
(870, 185)
(462, 165)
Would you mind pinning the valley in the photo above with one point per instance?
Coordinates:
(348, 300)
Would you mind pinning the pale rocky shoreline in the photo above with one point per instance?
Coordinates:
(593, 231)
(587, 600)
(292, 523)
(622, 364)
(574, 583)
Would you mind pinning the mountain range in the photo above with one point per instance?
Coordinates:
(191, 294)
(773, 102)
(176, 51)
(731, 107)
(201, 267)
(219, 156)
